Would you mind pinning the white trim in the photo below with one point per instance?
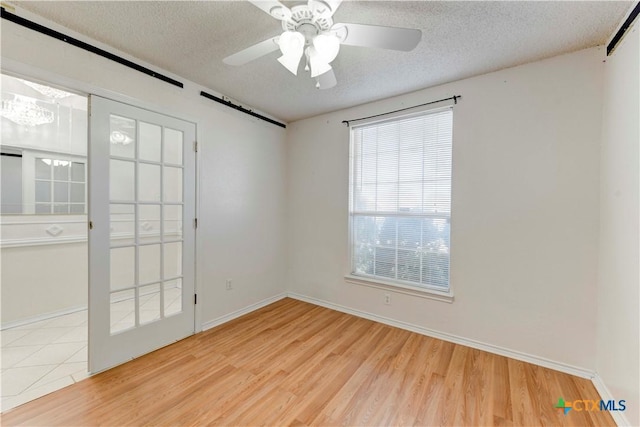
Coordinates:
(43, 151)
(41, 317)
(40, 221)
(513, 354)
(605, 394)
(401, 288)
(446, 215)
(198, 288)
(41, 241)
(248, 309)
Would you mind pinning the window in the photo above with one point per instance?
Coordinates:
(11, 183)
(60, 186)
(400, 201)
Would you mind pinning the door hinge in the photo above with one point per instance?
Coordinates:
(195, 299)
(195, 146)
(90, 225)
(195, 222)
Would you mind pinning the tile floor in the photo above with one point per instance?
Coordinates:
(42, 357)
(45, 356)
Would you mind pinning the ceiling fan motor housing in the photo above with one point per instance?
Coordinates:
(310, 22)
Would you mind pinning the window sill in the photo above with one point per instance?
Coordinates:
(400, 288)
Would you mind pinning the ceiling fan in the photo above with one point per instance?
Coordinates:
(309, 32)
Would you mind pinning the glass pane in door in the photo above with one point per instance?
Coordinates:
(149, 183)
(122, 180)
(123, 267)
(172, 222)
(172, 297)
(172, 189)
(173, 146)
(150, 142)
(149, 222)
(122, 218)
(122, 137)
(122, 310)
(172, 260)
(149, 303)
(148, 264)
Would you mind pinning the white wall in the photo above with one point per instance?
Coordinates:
(242, 190)
(43, 280)
(524, 212)
(618, 332)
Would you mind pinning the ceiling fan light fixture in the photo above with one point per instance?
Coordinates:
(326, 46)
(317, 63)
(292, 47)
(291, 62)
(320, 69)
(291, 42)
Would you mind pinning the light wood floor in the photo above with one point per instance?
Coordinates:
(294, 363)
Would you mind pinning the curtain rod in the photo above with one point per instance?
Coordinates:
(455, 101)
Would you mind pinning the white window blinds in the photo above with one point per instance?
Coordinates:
(400, 201)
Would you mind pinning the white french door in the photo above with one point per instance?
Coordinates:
(142, 234)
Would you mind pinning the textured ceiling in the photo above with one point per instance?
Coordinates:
(460, 39)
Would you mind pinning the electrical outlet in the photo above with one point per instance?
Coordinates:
(387, 299)
(229, 285)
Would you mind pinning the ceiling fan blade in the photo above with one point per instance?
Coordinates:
(323, 7)
(405, 39)
(273, 8)
(333, 4)
(327, 80)
(253, 52)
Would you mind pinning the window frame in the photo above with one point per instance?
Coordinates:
(52, 180)
(379, 282)
(29, 157)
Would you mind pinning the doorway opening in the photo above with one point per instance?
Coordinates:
(43, 239)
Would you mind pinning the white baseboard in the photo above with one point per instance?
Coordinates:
(605, 394)
(248, 309)
(40, 317)
(514, 354)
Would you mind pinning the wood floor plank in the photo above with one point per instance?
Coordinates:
(430, 412)
(294, 363)
(522, 408)
(501, 401)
